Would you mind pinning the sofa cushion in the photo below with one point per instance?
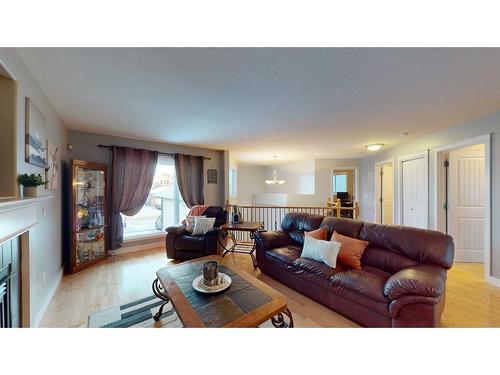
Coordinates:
(323, 276)
(345, 227)
(422, 245)
(367, 281)
(188, 242)
(296, 223)
(313, 271)
(285, 256)
(385, 260)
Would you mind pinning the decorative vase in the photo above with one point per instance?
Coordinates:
(236, 218)
(30, 191)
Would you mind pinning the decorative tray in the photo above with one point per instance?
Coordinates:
(223, 283)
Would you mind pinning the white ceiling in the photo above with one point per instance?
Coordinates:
(296, 103)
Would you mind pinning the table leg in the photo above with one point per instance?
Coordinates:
(254, 247)
(279, 321)
(223, 234)
(160, 293)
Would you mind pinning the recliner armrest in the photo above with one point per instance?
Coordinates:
(272, 239)
(422, 280)
(177, 231)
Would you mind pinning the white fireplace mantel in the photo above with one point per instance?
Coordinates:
(17, 217)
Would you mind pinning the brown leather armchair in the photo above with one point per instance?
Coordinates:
(181, 245)
(401, 283)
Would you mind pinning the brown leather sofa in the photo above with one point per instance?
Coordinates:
(181, 245)
(401, 283)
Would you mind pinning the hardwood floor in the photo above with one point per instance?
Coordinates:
(470, 301)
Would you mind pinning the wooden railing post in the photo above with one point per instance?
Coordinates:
(338, 205)
(356, 210)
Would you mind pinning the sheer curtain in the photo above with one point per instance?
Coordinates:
(133, 172)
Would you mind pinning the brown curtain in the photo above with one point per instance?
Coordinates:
(133, 172)
(189, 171)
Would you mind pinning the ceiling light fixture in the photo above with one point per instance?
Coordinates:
(374, 146)
(275, 181)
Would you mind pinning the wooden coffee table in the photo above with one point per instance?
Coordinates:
(252, 227)
(248, 302)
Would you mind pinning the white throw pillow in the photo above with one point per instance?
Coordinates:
(322, 251)
(190, 221)
(202, 225)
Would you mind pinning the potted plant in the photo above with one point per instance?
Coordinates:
(30, 183)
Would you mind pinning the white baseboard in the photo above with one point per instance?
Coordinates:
(46, 304)
(493, 281)
(133, 249)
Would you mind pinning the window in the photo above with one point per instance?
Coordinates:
(339, 183)
(164, 206)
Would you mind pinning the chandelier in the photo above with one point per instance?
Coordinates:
(275, 181)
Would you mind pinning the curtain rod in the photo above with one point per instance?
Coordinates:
(161, 153)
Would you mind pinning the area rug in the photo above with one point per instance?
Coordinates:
(139, 314)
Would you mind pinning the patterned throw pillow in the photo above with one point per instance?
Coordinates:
(190, 220)
(322, 251)
(202, 225)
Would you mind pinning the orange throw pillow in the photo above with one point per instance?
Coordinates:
(351, 250)
(318, 234)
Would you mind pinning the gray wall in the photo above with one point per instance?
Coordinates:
(86, 148)
(323, 177)
(45, 238)
(250, 180)
(481, 126)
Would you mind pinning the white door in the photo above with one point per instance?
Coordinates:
(414, 192)
(466, 203)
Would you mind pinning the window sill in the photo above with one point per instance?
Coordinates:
(142, 236)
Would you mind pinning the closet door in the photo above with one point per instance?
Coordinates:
(466, 204)
(414, 199)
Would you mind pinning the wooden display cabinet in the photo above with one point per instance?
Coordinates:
(89, 214)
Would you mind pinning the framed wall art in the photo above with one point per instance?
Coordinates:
(211, 175)
(36, 135)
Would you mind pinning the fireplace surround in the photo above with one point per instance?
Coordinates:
(17, 217)
(10, 284)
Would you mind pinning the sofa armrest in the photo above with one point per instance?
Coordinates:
(422, 280)
(177, 231)
(272, 239)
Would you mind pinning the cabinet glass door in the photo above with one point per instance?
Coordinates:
(90, 214)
